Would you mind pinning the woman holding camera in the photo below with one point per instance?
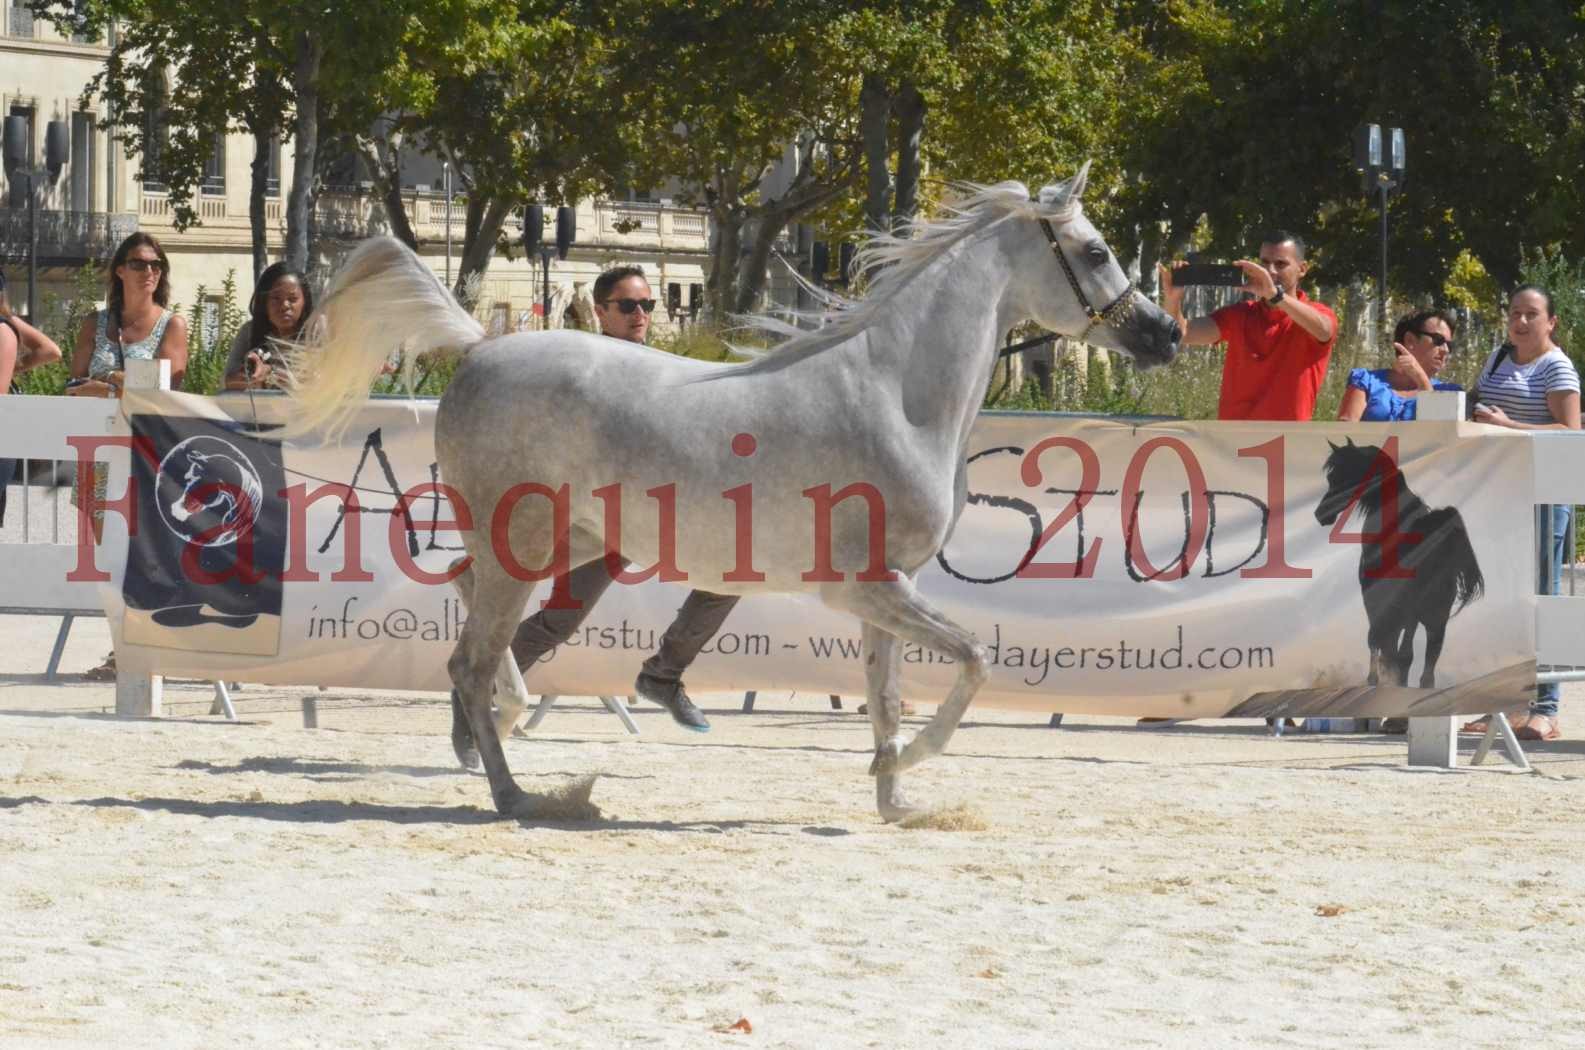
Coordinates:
(134, 325)
(280, 306)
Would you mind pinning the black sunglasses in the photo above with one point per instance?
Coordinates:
(1437, 339)
(627, 306)
(141, 265)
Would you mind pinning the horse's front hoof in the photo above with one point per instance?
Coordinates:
(888, 757)
(511, 800)
(568, 804)
(890, 802)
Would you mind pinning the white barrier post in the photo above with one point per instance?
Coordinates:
(1434, 741)
(140, 695)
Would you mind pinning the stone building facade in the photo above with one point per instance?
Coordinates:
(97, 198)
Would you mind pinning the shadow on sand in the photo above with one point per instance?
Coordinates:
(330, 811)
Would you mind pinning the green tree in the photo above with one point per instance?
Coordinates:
(181, 73)
(1249, 107)
(763, 85)
(515, 99)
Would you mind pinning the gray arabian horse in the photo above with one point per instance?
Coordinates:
(883, 393)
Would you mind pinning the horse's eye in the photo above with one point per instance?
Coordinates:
(1097, 253)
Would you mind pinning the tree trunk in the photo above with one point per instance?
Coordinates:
(305, 146)
(910, 110)
(383, 156)
(766, 223)
(1149, 257)
(485, 219)
(874, 114)
(763, 231)
(396, 211)
(721, 284)
(258, 177)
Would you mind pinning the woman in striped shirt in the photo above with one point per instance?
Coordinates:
(1530, 384)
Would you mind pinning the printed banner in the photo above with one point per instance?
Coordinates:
(1178, 569)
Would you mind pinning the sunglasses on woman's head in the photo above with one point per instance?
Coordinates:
(627, 306)
(1437, 339)
(144, 265)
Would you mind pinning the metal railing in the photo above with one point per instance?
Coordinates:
(65, 237)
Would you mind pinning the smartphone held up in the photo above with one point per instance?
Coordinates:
(1224, 274)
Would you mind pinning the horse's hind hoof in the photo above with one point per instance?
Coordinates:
(888, 758)
(467, 754)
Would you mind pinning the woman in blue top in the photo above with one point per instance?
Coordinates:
(1423, 342)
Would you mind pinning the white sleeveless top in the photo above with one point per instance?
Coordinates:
(109, 357)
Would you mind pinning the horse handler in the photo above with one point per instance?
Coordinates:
(623, 305)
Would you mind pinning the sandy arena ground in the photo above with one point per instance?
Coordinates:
(189, 882)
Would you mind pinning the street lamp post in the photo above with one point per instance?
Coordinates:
(534, 243)
(1380, 175)
(18, 166)
(445, 170)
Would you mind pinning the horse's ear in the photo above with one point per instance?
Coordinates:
(1076, 184)
(1062, 194)
(1351, 441)
(1335, 445)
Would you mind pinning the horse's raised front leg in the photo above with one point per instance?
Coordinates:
(882, 666)
(897, 608)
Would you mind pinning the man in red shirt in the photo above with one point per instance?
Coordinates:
(1278, 343)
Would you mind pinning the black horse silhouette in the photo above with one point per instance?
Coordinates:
(1415, 561)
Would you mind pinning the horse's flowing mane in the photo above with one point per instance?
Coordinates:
(895, 259)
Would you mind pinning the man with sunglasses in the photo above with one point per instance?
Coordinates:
(623, 305)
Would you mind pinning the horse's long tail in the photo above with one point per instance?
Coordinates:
(383, 299)
(1471, 584)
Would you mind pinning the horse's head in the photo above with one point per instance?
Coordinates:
(1077, 287)
(1352, 469)
(213, 484)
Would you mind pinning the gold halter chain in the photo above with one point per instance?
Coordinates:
(1115, 312)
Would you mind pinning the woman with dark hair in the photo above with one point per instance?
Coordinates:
(1529, 383)
(135, 323)
(1423, 342)
(280, 307)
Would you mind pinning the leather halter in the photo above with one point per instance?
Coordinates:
(1114, 313)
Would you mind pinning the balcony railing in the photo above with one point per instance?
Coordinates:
(66, 238)
(156, 206)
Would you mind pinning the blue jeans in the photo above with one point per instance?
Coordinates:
(1562, 520)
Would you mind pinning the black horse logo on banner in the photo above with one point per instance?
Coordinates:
(204, 566)
(1417, 567)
